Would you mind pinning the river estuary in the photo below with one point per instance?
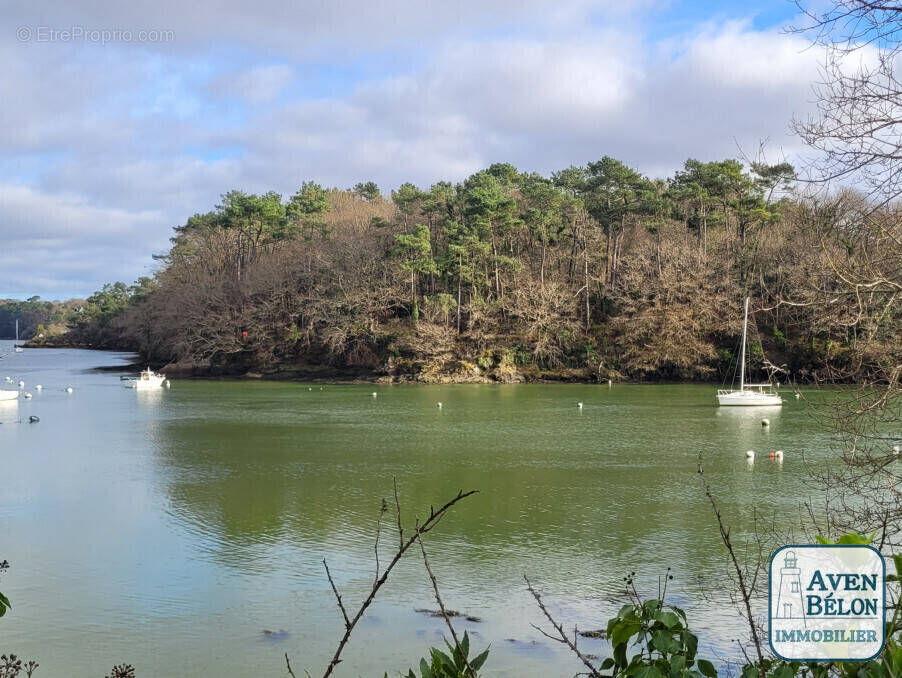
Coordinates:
(172, 529)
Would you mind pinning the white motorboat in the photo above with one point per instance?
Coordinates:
(6, 394)
(748, 394)
(147, 379)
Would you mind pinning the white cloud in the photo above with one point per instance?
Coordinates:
(105, 148)
(256, 85)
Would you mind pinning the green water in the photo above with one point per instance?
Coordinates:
(169, 529)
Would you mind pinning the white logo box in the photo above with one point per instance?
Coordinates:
(827, 602)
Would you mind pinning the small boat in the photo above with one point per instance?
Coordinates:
(6, 394)
(147, 379)
(17, 348)
(748, 394)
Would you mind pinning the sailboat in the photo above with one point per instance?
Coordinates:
(17, 349)
(748, 394)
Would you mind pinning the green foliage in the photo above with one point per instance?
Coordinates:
(666, 647)
(521, 355)
(304, 211)
(415, 250)
(851, 538)
(456, 663)
(369, 191)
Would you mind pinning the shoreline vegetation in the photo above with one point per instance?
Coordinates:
(589, 274)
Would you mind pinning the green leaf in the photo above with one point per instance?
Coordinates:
(677, 665)
(607, 663)
(783, 671)
(623, 632)
(664, 643)
(854, 538)
(648, 672)
(669, 619)
(707, 668)
(479, 660)
(690, 641)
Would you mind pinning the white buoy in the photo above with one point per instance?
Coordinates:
(778, 455)
(21, 384)
(167, 383)
(27, 395)
(610, 383)
(579, 405)
(765, 422)
(798, 395)
(309, 388)
(750, 454)
(440, 406)
(374, 394)
(38, 387)
(68, 389)
(896, 450)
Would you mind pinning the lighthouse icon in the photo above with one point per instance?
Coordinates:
(789, 603)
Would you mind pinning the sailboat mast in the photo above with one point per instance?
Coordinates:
(745, 327)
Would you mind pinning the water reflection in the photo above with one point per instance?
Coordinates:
(8, 410)
(195, 517)
(580, 497)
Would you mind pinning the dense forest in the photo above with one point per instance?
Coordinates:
(595, 272)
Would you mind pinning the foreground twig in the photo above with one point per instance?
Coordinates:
(744, 590)
(562, 635)
(441, 604)
(434, 517)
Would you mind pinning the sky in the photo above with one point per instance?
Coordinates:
(119, 120)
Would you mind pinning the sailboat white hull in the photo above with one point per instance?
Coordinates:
(748, 398)
(748, 395)
(8, 395)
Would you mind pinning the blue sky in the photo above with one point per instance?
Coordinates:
(105, 146)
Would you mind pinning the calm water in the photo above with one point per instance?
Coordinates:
(170, 529)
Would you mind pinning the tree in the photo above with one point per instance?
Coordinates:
(306, 208)
(489, 207)
(613, 194)
(369, 191)
(415, 250)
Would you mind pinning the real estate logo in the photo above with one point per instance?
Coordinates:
(827, 602)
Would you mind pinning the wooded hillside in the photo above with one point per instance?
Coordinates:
(595, 272)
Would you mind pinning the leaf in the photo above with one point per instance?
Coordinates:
(607, 663)
(623, 632)
(707, 668)
(648, 672)
(479, 660)
(669, 619)
(677, 665)
(664, 643)
(690, 641)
